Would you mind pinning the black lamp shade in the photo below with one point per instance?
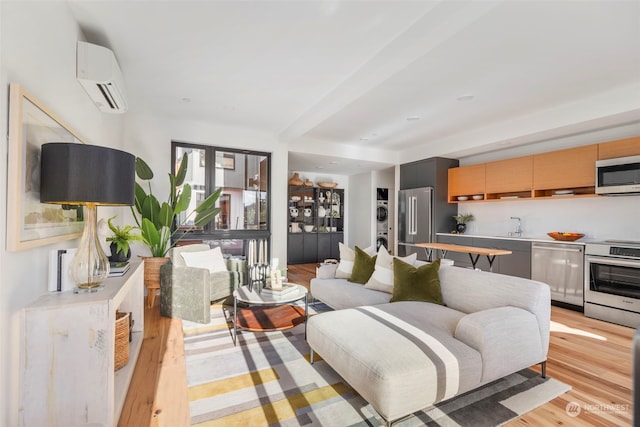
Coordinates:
(80, 174)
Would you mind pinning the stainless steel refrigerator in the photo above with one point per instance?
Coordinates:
(415, 219)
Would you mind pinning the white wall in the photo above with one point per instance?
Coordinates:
(38, 47)
(600, 218)
(361, 218)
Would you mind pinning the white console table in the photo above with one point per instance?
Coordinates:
(67, 356)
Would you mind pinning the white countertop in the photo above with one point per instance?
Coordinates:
(544, 239)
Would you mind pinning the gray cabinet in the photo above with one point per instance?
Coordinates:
(434, 173)
(518, 263)
(459, 259)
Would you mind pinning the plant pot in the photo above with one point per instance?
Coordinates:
(118, 256)
(152, 276)
(461, 228)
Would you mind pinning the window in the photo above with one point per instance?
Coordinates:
(244, 201)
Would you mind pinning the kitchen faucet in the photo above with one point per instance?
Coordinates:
(518, 230)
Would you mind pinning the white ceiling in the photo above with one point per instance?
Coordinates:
(351, 73)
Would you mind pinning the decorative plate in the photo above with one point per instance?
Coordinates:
(564, 236)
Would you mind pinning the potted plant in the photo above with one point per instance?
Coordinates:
(461, 221)
(158, 222)
(122, 236)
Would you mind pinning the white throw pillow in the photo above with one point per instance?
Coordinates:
(382, 277)
(212, 260)
(347, 257)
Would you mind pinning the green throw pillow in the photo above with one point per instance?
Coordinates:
(416, 284)
(363, 267)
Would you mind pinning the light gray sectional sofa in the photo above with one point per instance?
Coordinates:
(406, 356)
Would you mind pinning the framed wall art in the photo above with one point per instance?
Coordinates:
(29, 222)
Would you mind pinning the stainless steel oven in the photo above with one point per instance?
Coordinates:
(612, 282)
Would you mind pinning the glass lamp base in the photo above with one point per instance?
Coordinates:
(87, 290)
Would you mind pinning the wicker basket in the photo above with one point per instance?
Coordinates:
(122, 340)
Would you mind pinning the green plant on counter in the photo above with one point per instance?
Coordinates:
(463, 218)
(122, 236)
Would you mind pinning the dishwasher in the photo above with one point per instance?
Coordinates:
(561, 266)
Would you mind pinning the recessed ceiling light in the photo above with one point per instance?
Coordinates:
(364, 138)
(465, 97)
(413, 118)
(333, 162)
(319, 167)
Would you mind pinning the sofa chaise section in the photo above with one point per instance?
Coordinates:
(406, 356)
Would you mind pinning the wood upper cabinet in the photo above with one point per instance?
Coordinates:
(571, 168)
(620, 148)
(509, 176)
(466, 181)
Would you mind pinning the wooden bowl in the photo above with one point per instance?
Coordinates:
(327, 184)
(564, 236)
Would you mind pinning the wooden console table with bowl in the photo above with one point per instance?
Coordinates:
(474, 252)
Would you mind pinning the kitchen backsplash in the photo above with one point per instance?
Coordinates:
(598, 217)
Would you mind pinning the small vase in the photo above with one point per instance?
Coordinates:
(461, 228)
(295, 179)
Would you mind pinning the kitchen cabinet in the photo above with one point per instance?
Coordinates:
(431, 172)
(68, 352)
(571, 169)
(459, 259)
(518, 263)
(466, 181)
(316, 223)
(620, 148)
(510, 177)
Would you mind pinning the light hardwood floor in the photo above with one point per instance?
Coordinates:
(593, 357)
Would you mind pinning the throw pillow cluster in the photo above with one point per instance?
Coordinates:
(402, 277)
(416, 283)
(212, 260)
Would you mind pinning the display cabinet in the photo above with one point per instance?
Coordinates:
(316, 223)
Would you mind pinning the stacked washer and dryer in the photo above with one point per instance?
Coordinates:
(382, 218)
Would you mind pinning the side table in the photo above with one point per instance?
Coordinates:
(263, 305)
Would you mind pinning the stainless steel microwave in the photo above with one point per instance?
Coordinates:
(618, 176)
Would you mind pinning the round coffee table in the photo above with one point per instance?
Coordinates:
(268, 312)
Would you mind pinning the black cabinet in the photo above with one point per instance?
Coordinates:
(316, 223)
(294, 248)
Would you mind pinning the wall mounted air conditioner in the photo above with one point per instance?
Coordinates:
(99, 74)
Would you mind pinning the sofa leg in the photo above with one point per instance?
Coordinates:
(543, 365)
(311, 357)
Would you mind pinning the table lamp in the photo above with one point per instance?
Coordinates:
(89, 175)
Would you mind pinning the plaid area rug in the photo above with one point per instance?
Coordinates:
(267, 380)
